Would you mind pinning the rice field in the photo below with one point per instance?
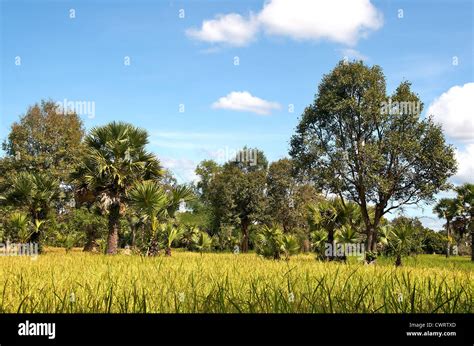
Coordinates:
(226, 283)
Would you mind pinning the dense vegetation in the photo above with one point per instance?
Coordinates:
(350, 165)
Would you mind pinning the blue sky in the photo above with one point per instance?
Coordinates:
(182, 57)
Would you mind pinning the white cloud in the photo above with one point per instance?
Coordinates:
(465, 160)
(454, 109)
(341, 21)
(232, 29)
(182, 169)
(244, 101)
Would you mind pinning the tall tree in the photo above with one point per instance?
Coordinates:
(374, 150)
(446, 209)
(115, 160)
(465, 203)
(237, 194)
(46, 138)
(458, 213)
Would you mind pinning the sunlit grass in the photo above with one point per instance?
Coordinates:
(191, 282)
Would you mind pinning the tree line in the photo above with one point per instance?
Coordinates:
(349, 165)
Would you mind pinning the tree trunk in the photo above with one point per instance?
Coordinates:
(114, 227)
(91, 240)
(370, 241)
(448, 233)
(472, 245)
(331, 243)
(35, 239)
(398, 261)
(134, 235)
(153, 250)
(91, 246)
(168, 251)
(245, 236)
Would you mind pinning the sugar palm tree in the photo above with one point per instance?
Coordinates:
(400, 240)
(115, 160)
(465, 211)
(447, 209)
(157, 206)
(36, 193)
(19, 224)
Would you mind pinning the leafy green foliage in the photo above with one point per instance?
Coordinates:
(355, 150)
(46, 139)
(236, 195)
(115, 160)
(271, 242)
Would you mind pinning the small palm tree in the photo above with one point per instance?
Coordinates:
(203, 242)
(271, 242)
(290, 245)
(319, 239)
(268, 242)
(169, 234)
(156, 206)
(37, 193)
(399, 241)
(19, 224)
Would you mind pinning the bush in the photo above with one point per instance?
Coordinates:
(270, 242)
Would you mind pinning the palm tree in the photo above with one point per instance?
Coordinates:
(115, 160)
(35, 192)
(169, 234)
(399, 240)
(271, 242)
(465, 210)
(446, 209)
(156, 206)
(19, 224)
(334, 216)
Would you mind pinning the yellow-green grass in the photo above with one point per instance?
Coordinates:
(190, 282)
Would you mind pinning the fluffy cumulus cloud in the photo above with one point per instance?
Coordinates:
(465, 160)
(454, 110)
(244, 101)
(232, 29)
(341, 21)
(182, 169)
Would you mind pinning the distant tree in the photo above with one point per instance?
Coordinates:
(458, 213)
(287, 196)
(206, 171)
(115, 160)
(37, 194)
(90, 223)
(446, 209)
(46, 138)
(237, 196)
(465, 211)
(358, 144)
